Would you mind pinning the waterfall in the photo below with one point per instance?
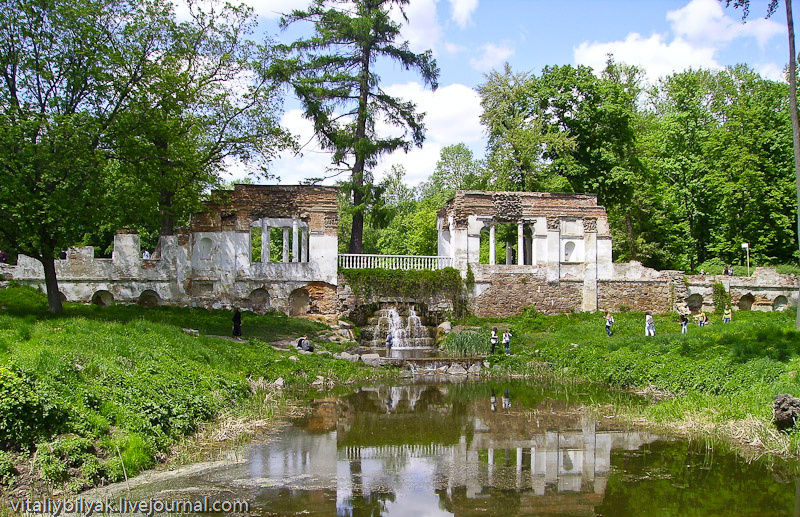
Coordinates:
(407, 328)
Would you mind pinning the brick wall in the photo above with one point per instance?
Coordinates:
(509, 293)
(653, 296)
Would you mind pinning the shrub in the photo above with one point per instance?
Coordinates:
(721, 297)
(467, 343)
(24, 414)
(7, 470)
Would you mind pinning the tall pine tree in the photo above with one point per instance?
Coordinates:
(333, 75)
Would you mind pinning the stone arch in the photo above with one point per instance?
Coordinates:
(149, 298)
(695, 303)
(258, 300)
(780, 303)
(299, 302)
(746, 302)
(103, 298)
(569, 252)
(205, 247)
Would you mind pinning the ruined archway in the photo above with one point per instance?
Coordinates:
(103, 298)
(149, 298)
(746, 302)
(258, 300)
(299, 302)
(695, 303)
(569, 252)
(780, 303)
(204, 248)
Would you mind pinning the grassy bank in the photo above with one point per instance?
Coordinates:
(101, 393)
(719, 380)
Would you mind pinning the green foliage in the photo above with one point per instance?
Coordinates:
(722, 298)
(25, 412)
(99, 388)
(7, 470)
(467, 343)
(412, 283)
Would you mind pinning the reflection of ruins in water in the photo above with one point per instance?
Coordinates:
(411, 449)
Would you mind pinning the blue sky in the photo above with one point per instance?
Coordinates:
(471, 37)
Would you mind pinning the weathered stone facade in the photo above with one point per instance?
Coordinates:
(562, 262)
(211, 264)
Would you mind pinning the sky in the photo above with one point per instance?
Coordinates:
(469, 38)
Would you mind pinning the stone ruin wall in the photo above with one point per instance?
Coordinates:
(179, 273)
(209, 264)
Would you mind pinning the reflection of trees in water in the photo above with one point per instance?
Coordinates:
(685, 478)
(371, 505)
(499, 502)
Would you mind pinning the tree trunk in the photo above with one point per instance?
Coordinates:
(795, 121)
(357, 231)
(165, 209)
(50, 280)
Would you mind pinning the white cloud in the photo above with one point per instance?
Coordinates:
(655, 55)
(452, 115)
(462, 11)
(493, 56)
(453, 48)
(771, 71)
(422, 31)
(699, 30)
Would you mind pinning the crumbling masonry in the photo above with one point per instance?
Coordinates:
(559, 259)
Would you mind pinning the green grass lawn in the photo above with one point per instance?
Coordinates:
(100, 392)
(723, 377)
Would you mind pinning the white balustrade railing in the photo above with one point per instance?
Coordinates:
(404, 262)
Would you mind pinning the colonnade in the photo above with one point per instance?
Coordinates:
(298, 240)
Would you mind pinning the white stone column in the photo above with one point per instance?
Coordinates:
(590, 265)
(553, 250)
(304, 244)
(520, 244)
(285, 244)
(265, 244)
(492, 258)
(295, 246)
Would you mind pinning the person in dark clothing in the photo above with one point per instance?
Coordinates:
(237, 322)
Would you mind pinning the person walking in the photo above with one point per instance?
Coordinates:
(507, 341)
(389, 339)
(493, 339)
(727, 315)
(649, 325)
(237, 322)
(609, 322)
(702, 319)
(684, 324)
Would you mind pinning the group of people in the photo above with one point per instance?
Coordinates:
(650, 324)
(493, 340)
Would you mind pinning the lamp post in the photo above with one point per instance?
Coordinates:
(746, 246)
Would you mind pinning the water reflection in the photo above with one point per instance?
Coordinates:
(452, 450)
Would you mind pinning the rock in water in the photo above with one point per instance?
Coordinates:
(786, 411)
(456, 369)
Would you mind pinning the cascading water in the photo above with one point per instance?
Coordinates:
(407, 327)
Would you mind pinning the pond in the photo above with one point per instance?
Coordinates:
(478, 448)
